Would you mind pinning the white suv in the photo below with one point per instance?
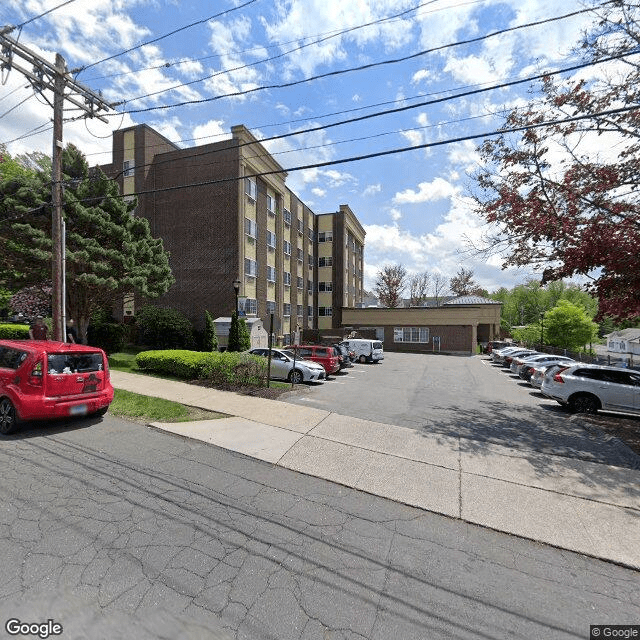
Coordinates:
(586, 388)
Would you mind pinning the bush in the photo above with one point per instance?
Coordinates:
(164, 328)
(235, 368)
(217, 368)
(210, 340)
(176, 362)
(14, 332)
(105, 332)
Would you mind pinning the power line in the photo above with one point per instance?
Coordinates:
(45, 13)
(350, 69)
(166, 65)
(166, 35)
(285, 53)
(377, 114)
(19, 104)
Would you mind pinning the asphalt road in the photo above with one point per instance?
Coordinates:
(469, 398)
(115, 530)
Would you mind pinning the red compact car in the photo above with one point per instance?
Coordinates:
(41, 379)
(326, 356)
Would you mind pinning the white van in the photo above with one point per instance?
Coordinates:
(365, 350)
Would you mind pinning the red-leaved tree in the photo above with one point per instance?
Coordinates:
(564, 197)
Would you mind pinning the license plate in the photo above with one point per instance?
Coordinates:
(78, 410)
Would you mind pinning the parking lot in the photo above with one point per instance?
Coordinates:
(469, 398)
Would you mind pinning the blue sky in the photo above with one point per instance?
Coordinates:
(415, 205)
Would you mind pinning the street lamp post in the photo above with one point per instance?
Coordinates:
(542, 329)
(236, 288)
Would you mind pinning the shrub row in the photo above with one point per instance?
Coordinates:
(217, 368)
(14, 332)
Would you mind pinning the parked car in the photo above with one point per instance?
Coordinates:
(365, 350)
(518, 361)
(285, 365)
(496, 344)
(498, 355)
(508, 358)
(43, 379)
(343, 354)
(528, 366)
(321, 354)
(587, 388)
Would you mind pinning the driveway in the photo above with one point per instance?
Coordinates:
(469, 398)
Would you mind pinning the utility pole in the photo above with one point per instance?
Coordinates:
(55, 78)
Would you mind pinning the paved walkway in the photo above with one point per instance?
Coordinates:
(573, 504)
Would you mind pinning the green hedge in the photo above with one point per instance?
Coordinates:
(14, 331)
(217, 368)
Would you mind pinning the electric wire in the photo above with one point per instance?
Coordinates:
(166, 35)
(26, 22)
(339, 72)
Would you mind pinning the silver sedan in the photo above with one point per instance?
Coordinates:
(285, 366)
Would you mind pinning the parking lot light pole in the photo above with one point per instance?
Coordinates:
(542, 329)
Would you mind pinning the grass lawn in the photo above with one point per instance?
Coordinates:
(139, 408)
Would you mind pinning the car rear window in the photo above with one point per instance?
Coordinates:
(58, 363)
(11, 358)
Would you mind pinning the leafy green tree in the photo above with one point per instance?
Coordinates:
(210, 337)
(164, 328)
(233, 343)
(244, 337)
(528, 335)
(110, 253)
(568, 326)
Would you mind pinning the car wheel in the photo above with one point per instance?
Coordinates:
(296, 377)
(584, 404)
(8, 417)
(362, 359)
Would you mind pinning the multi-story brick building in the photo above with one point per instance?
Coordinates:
(225, 213)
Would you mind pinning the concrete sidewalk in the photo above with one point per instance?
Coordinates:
(572, 504)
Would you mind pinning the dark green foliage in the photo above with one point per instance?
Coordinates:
(210, 339)
(106, 332)
(110, 253)
(243, 335)
(164, 328)
(233, 343)
(14, 332)
(216, 368)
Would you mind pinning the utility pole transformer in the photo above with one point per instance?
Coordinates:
(55, 78)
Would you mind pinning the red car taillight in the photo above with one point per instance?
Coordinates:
(558, 378)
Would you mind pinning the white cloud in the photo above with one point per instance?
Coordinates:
(372, 189)
(212, 131)
(437, 189)
(319, 193)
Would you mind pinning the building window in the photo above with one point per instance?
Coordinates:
(300, 283)
(287, 248)
(251, 228)
(300, 227)
(300, 255)
(325, 286)
(249, 306)
(250, 188)
(310, 311)
(299, 310)
(271, 273)
(286, 310)
(310, 259)
(250, 267)
(325, 262)
(310, 233)
(325, 311)
(128, 169)
(287, 216)
(271, 205)
(287, 278)
(411, 334)
(271, 240)
(309, 286)
(325, 236)
(271, 307)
